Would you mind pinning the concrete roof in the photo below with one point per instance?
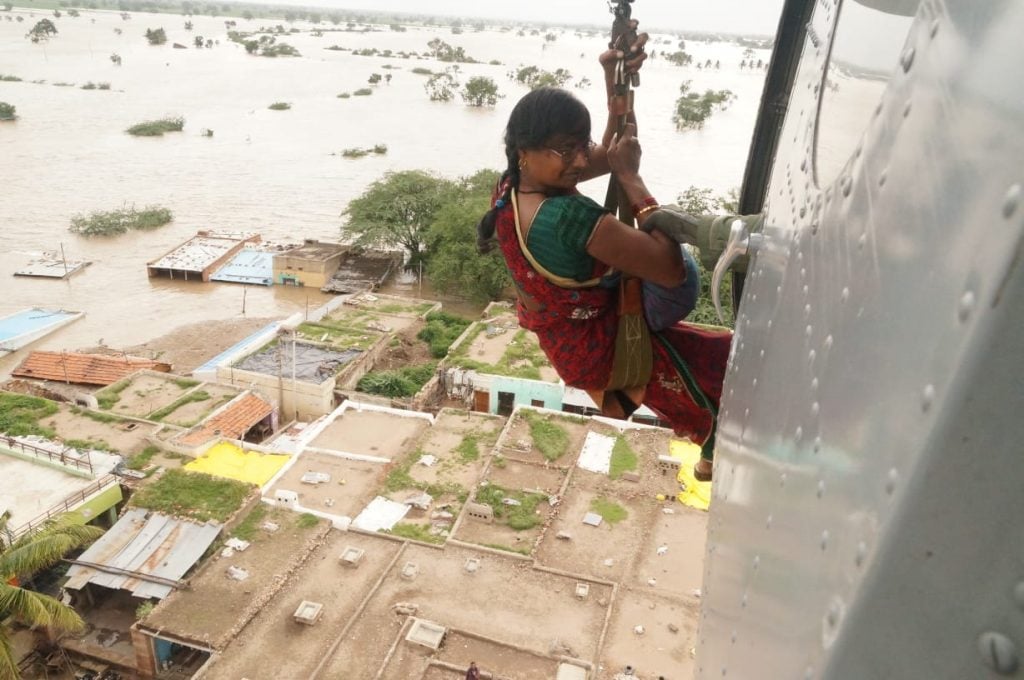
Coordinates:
(232, 421)
(200, 251)
(315, 250)
(84, 369)
(248, 266)
(143, 544)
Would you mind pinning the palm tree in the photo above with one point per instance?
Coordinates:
(24, 557)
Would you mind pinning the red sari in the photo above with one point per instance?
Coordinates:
(576, 328)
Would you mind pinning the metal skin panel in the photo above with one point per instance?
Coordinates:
(868, 500)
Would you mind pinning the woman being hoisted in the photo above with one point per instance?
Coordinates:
(603, 298)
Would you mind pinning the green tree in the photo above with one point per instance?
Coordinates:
(7, 111)
(199, 41)
(397, 210)
(441, 87)
(692, 109)
(453, 263)
(42, 31)
(156, 36)
(480, 91)
(188, 25)
(24, 557)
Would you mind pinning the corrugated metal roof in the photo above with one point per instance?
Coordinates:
(143, 543)
(84, 369)
(231, 422)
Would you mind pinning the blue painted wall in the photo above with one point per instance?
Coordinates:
(526, 391)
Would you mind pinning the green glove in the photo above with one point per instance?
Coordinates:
(709, 233)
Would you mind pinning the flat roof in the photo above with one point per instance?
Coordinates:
(31, 320)
(312, 363)
(315, 250)
(248, 266)
(199, 252)
(30, 489)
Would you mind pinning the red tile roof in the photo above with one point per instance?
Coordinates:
(231, 422)
(84, 369)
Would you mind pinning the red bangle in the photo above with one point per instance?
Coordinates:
(645, 203)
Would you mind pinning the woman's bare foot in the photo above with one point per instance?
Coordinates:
(702, 470)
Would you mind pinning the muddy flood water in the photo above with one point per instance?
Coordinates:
(278, 173)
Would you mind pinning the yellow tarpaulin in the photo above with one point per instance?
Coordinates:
(694, 494)
(227, 460)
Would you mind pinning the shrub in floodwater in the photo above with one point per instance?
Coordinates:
(354, 152)
(9, 79)
(96, 86)
(363, 92)
(156, 36)
(344, 95)
(119, 221)
(420, 71)
(280, 106)
(7, 111)
(155, 128)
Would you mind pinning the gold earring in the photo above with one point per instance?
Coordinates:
(522, 163)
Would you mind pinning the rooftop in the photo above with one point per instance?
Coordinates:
(498, 346)
(84, 369)
(202, 250)
(232, 421)
(311, 363)
(248, 266)
(316, 250)
(144, 552)
(31, 489)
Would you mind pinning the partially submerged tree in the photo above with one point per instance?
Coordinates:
(156, 36)
(480, 91)
(693, 109)
(24, 557)
(42, 31)
(7, 111)
(397, 210)
(441, 87)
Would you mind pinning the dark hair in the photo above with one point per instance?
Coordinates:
(539, 116)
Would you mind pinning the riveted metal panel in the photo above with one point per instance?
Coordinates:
(868, 501)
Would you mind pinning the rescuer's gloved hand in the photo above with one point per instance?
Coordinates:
(708, 233)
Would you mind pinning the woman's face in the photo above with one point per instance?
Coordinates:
(558, 164)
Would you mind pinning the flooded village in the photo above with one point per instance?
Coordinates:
(298, 463)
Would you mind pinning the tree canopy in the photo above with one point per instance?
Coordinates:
(24, 557)
(702, 201)
(693, 109)
(453, 263)
(42, 31)
(480, 91)
(156, 36)
(397, 210)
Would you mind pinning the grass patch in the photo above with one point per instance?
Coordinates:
(280, 106)
(610, 511)
(500, 462)
(340, 334)
(362, 92)
(142, 458)
(441, 331)
(550, 439)
(113, 222)
(518, 517)
(192, 494)
(20, 415)
(87, 444)
(623, 458)
(160, 414)
(399, 479)
(420, 71)
(398, 383)
(416, 532)
(522, 358)
(109, 396)
(469, 448)
(307, 521)
(105, 418)
(185, 383)
(246, 529)
(156, 128)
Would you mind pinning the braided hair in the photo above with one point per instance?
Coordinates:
(539, 116)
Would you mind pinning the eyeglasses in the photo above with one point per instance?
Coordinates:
(568, 154)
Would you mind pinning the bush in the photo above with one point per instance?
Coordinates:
(156, 128)
(120, 221)
(420, 71)
(4, 78)
(363, 92)
(399, 383)
(20, 414)
(7, 111)
(156, 37)
(692, 109)
(344, 95)
(441, 331)
(280, 106)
